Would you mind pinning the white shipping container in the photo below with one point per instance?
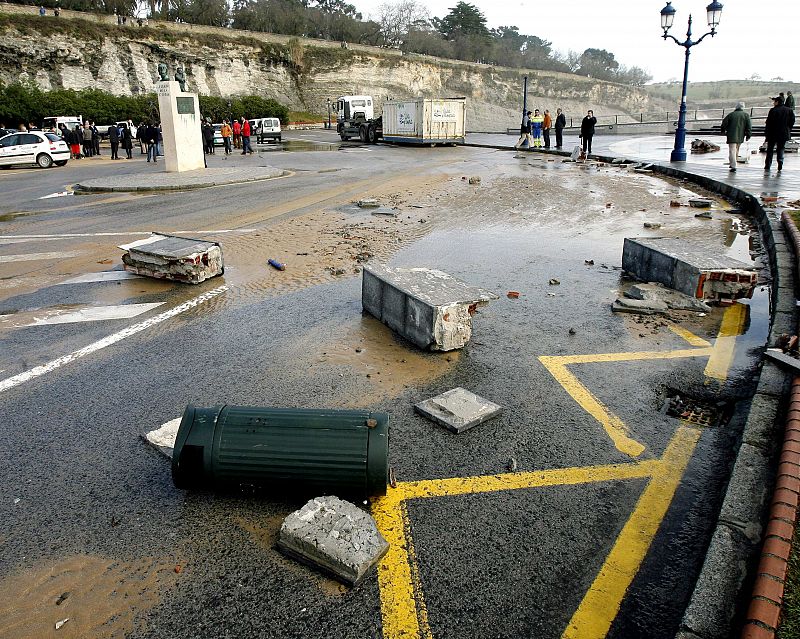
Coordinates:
(424, 121)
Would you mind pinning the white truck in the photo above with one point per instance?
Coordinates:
(420, 121)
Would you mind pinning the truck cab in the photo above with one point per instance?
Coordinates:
(352, 107)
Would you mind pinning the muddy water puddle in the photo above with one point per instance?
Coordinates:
(98, 597)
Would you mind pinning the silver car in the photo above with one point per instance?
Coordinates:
(33, 147)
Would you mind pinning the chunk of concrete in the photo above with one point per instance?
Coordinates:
(163, 438)
(172, 257)
(428, 307)
(639, 307)
(368, 203)
(696, 270)
(675, 300)
(458, 409)
(334, 536)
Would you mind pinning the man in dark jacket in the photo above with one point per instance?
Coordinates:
(151, 139)
(778, 130)
(736, 125)
(587, 131)
(561, 122)
(113, 138)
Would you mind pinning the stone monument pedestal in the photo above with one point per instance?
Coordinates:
(180, 128)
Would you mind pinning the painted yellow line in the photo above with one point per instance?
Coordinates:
(732, 326)
(600, 605)
(534, 479)
(402, 603)
(690, 337)
(615, 428)
(398, 604)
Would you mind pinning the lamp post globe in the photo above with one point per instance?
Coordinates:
(714, 13)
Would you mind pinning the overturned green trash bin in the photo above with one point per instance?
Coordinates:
(283, 449)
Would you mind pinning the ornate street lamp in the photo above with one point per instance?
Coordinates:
(713, 13)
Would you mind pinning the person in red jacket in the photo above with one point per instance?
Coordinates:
(246, 148)
(237, 134)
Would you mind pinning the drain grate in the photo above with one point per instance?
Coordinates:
(695, 411)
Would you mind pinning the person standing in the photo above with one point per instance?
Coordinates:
(88, 144)
(75, 140)
(208, 137)
(95, 138)
(226, 132)
(546, 126)
(42, 11)
(113, 138)
(587, 131)
(237, 134)
(737, 126)
(246, 148)
(778, 130)
(151, 139)
(789, 100)
(525, 131)
(127, 141)
(536, 128)
(561, 122)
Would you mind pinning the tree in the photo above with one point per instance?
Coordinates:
(597, 63)
(463, 20)
(396, 20)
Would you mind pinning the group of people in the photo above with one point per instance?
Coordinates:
(535, 130)
(236, 136)
(777, 130)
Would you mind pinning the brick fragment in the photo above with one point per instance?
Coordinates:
(780, 528)
(785, 496)
(767, 612)
(768, 588)
(778, 547)
(774, 566)
(752, 631)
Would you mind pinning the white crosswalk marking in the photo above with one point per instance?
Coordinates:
(48, 316)
(29, 257)
(103, 276)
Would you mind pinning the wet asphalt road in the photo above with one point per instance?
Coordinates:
(505, 564)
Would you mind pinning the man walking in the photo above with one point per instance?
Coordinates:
(561, 122)
(587, 131)
(777, 129)
(525, 131)
(737, 126)
(151, 139)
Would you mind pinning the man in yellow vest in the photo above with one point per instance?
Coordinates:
(536, 126)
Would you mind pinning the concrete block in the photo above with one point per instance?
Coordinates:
(163, 438)
(773, 380)
(429, 308)
(639, 307)
(673, 299)
(783, 322)
(748, 492)
(174, 258)
(691, 269)
(458, 409)
(713, 604)
(334, 536)
(762, 428)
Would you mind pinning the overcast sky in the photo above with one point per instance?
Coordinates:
(754, 36)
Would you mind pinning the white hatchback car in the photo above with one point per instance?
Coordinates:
(33, 147)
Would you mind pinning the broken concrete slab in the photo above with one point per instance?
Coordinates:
(163, 438)
(368, 203)
(675, 300)
(640, 307)
(699, 271)
(458, 409)
(334, 536)
(171, 257)
(428, 307)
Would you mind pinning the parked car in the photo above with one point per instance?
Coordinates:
(33, 147)
(218, 141)
(266, 129)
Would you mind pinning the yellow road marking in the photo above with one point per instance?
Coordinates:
(402, 606)
(600, 605)
(613, 425)
(732, 326)
(690, 337)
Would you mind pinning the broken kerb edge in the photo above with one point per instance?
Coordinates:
(334, 536)
(458, 409)
(428, 307)
(695, 270)
(171, 257)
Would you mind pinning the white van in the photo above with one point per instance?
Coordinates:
(266, 129)
(70, 121)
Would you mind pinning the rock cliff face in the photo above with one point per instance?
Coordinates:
(78, 51)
